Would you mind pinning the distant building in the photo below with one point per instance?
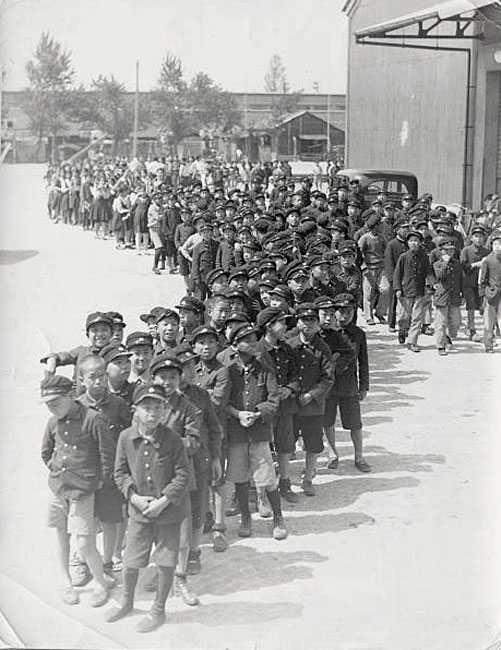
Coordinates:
(424, 93)
(256, 128)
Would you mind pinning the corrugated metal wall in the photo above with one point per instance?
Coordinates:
(406, 108)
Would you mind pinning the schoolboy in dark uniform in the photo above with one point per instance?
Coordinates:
(151, 470)
(272, 323)
(212, 375)
(208, 460)
(72, 450)
(343, 357)
(117, 360)
(117, 416)
(191, 313)
(471, 259)
(203, 260)
(316, 376)
(352, 384)
(185, 418)
(140, 345)
(168, 330)
(99, 330)
(252, 404)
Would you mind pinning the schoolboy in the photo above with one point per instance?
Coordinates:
(352, 385)
(448, 296)
(410, 277)
(185, 419)
(207, 462)
(117, 360)
(99, 330)
(272, 322)
(71, 450)
(213, 376)
(151, 470)
(490, 287)
(183, 231)
(167, 322)
(117, 416)
(343, 358)
(471, 259)
(140, 345)
(191, 313)
(253, 402)
(203, 260)
(316, 376)
(218, 308)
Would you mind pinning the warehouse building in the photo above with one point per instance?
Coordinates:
(424, 93)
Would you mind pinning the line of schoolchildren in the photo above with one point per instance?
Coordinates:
(196, 230)
(145, 439)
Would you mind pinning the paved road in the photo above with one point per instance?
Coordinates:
(404, 558)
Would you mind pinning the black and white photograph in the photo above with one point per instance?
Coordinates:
(250, 324)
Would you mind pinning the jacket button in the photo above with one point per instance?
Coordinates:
(149, 478)
(147, 466)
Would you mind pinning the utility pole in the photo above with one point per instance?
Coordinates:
(136, 109)
(328, 125)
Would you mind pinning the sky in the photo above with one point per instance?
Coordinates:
(231, 40)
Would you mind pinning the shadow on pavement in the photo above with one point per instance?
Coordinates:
(13, 257)
(243, 568)
(237, 613)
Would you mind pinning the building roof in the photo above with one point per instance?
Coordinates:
(441, 11)
(298, 114)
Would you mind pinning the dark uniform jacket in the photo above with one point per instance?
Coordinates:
(449, 283)
(316, 372)
(211, 432)
(252, 388)
(213, 376)
(117, 416)
(356, 377)
(393, 251)
(203, 260)
(73, 451)
(73, 358)
(225, 256)
(411, 272)
(469, 255)
(490, 278)
(282, 360)
(154, 468)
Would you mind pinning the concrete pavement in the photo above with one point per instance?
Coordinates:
(404, 557)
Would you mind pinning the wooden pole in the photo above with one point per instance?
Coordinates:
(136, 109)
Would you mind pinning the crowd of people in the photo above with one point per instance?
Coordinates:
(165, 432)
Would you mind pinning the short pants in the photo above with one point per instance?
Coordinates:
(142, 536)
(76, 516)
(248, 460)
(110, 505)
(283, 433)
(349, 410)
(311, 429)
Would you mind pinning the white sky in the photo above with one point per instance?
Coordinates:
(231, 40)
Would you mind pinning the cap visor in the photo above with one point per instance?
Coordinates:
(150, 396)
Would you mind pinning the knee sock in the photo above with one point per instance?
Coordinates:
(274, 499)
(158, 255)
(242, 494)
(165, 578)
(130, 577)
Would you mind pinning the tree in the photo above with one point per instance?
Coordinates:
(112, 114)
(170, 100)
(275, 80)
(49, 96)
(182, 108)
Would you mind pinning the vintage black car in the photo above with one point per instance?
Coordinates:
(372, 181)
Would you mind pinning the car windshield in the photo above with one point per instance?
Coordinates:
(390, 185)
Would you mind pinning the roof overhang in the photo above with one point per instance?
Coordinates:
(450, 19)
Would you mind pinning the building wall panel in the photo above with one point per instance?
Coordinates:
(406, 108)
